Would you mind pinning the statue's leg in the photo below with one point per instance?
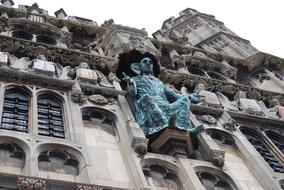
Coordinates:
(182, 109)
(159, 120)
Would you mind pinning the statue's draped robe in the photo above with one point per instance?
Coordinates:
(156, 104)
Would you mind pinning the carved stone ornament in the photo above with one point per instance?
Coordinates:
(218, 158)
(98, 99)
(229, 125)
(31, 183)
(77, 96)
(87, 187)
(207, 119)
(140, 145)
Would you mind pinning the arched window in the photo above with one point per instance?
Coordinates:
(196, 71)
(257, 141)
(12, 155)
(159, 176)
(217, 76)
(46, 39)
(50, 120)
(16, 110)
(220, 137)
(22, 34)
(277, 139)
(212, 181)
(58, 161)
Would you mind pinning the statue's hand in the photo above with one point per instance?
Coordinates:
(126, 77)
(196, 97)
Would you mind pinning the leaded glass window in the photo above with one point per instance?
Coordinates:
(50, 119)
(260, 146)
(15, 114)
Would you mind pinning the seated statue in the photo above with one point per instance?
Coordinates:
(157, 105)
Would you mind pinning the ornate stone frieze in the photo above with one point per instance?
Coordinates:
(229, 89)
(26, 183)
(98, 99)
(62, 56)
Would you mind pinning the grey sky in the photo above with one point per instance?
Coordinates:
(259, 21)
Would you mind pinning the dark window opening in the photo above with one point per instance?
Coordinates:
(45, 39)
(50, 119)
(21, 34)
(15, 115)
(260, 146)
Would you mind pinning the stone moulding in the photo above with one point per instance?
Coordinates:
(177, 78)
(65, 57)
(20, 77)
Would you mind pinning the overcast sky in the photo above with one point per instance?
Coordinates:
(259, 21)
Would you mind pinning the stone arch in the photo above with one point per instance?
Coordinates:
(60, 158)
(24, 88)
(161, 173)
(221, 136)
(134, 56)
(214, 179)
(54, 93)
(259, 143)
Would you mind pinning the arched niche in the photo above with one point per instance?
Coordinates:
(214, 179)
(134, 56)
(257, 140)
(161, 174)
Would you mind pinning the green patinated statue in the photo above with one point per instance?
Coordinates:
(156, 104)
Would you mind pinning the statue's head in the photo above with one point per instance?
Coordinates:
(146, 66)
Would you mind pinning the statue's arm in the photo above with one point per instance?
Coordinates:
(195, 97)
(131, 85)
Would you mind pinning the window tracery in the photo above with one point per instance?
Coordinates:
(212, 181)
(256, 140)
(159, 176)
(12, 155)
(58, 161)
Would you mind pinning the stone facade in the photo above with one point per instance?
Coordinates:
(67, 122)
